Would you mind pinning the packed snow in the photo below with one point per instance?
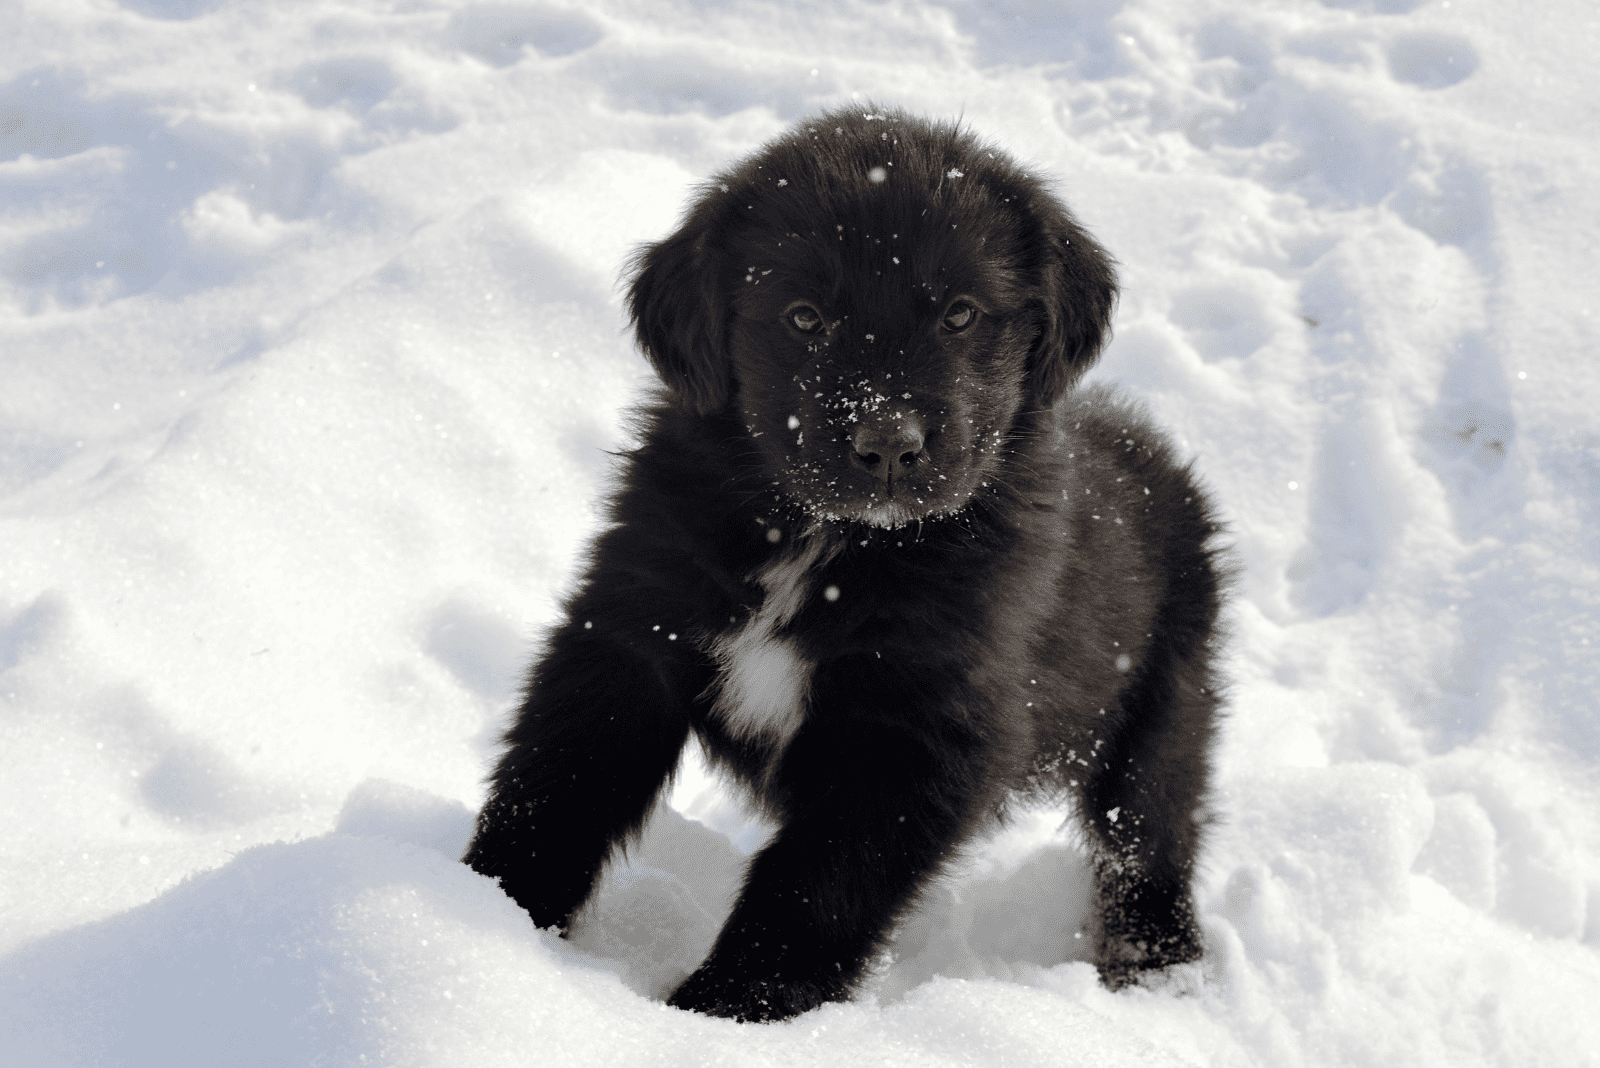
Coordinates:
(311, 359)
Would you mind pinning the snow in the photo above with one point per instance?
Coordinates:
(311, 356)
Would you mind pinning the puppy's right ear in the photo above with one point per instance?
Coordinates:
(1079, 283)
(677, 307)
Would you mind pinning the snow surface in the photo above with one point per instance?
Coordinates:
(311, 354)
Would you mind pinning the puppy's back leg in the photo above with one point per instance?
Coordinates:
(1142, 805)
(599, 733)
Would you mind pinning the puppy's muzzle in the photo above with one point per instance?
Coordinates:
(888, 452)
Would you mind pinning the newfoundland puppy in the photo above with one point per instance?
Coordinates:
(885, 562)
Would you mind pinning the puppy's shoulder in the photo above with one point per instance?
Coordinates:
(1120, 455)
(1106, 432)
(1095, 414)
(679, 456)
(683, 504)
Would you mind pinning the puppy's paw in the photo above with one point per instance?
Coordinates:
(1124, 959)
(758, 1001)
(1175, 980)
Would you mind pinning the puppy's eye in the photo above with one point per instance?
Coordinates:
(805, 319)
(959, 316)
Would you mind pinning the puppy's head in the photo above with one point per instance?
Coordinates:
(885, 303)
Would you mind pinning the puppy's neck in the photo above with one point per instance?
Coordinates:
(787, 576)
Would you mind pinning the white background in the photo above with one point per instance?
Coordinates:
(310, 355)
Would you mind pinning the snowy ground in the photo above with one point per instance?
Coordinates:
(310, 350)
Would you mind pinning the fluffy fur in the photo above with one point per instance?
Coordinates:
(885, 561)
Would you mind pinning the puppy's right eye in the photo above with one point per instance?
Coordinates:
(960, 316)
(805, 319)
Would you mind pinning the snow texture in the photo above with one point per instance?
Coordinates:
(310, 356)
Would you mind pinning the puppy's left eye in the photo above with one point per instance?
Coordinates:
(959, 316)
(805, 319)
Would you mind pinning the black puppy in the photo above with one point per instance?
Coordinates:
(884, 562)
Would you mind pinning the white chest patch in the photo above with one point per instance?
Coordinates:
(765, 683)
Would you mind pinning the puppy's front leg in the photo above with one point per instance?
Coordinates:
(871, 813)
(600, 731)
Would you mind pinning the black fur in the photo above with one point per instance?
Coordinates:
(981, 584)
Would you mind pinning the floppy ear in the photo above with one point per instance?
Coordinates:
(677, 308)
(1080, 292)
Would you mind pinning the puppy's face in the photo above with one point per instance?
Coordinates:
(882, 303)
(880, 361)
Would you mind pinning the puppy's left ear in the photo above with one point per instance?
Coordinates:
(1080, 293)
(677, 306)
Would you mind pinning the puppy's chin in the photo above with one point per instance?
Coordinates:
(890, 514)
(885, 515)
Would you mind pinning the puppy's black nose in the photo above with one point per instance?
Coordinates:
(890, 450)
